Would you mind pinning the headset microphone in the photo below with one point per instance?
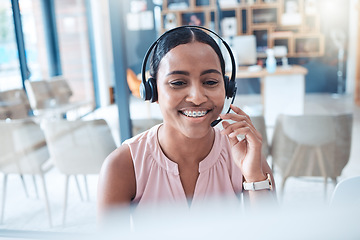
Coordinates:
(216, 122)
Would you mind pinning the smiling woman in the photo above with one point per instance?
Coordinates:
(184, 160)
(184, 86)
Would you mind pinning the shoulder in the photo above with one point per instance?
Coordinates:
(117, 184)
(143, 137)
(119, 159)
(142, 144)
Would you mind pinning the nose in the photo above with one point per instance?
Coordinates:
(197, 94)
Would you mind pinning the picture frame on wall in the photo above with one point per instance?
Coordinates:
(194, 18)
(264, 16)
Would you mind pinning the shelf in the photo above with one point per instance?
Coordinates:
(300, 33)
(307, 45)
(260, 16)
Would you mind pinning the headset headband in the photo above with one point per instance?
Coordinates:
(233, 65)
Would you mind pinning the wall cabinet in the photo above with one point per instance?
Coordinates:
(294, 24)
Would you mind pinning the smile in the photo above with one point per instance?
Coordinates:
(195, 114)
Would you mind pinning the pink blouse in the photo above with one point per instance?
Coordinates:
(157, 177)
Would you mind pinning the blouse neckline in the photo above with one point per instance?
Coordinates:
(172, 167)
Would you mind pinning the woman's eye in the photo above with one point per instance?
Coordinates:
(177, 83)
(211, 82)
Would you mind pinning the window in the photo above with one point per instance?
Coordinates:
(10, 76)
(33, 30)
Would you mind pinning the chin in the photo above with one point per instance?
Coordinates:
(197, 132)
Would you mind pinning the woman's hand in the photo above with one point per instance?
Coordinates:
(246, 152)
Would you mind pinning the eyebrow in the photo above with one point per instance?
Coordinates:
(188, 74)
(210, 71)
(178, 72)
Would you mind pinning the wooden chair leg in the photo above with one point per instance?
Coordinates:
(322, 167)
(290, 168)
(334, 180)
(297, 164)
(293, 161)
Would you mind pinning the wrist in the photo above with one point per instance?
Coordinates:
(259, 185)
(255, 178)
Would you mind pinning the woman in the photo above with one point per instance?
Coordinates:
(185, 160)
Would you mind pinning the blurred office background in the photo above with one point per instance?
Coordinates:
(85, 56)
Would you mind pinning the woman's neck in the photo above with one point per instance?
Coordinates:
(182, 149)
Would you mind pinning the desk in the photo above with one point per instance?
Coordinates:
(58, 110)
(282, 92)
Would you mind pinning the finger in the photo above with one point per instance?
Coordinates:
(239, 111)
(232, 127)
(239, 116)
(249, 134)
(235, 117)
(253, 142)
(233, 140)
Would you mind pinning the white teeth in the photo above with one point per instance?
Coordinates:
(194, 113)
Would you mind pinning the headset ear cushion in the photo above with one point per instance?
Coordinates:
(226, 84)
(229, 87)
(145, 91)
(153, 89)
(231, 91)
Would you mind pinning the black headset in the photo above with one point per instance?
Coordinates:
(148, 88)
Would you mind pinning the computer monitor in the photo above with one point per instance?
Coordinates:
(244, 49)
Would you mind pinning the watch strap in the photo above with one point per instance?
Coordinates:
(254, 186)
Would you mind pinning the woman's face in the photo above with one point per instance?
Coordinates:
(191, 88)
